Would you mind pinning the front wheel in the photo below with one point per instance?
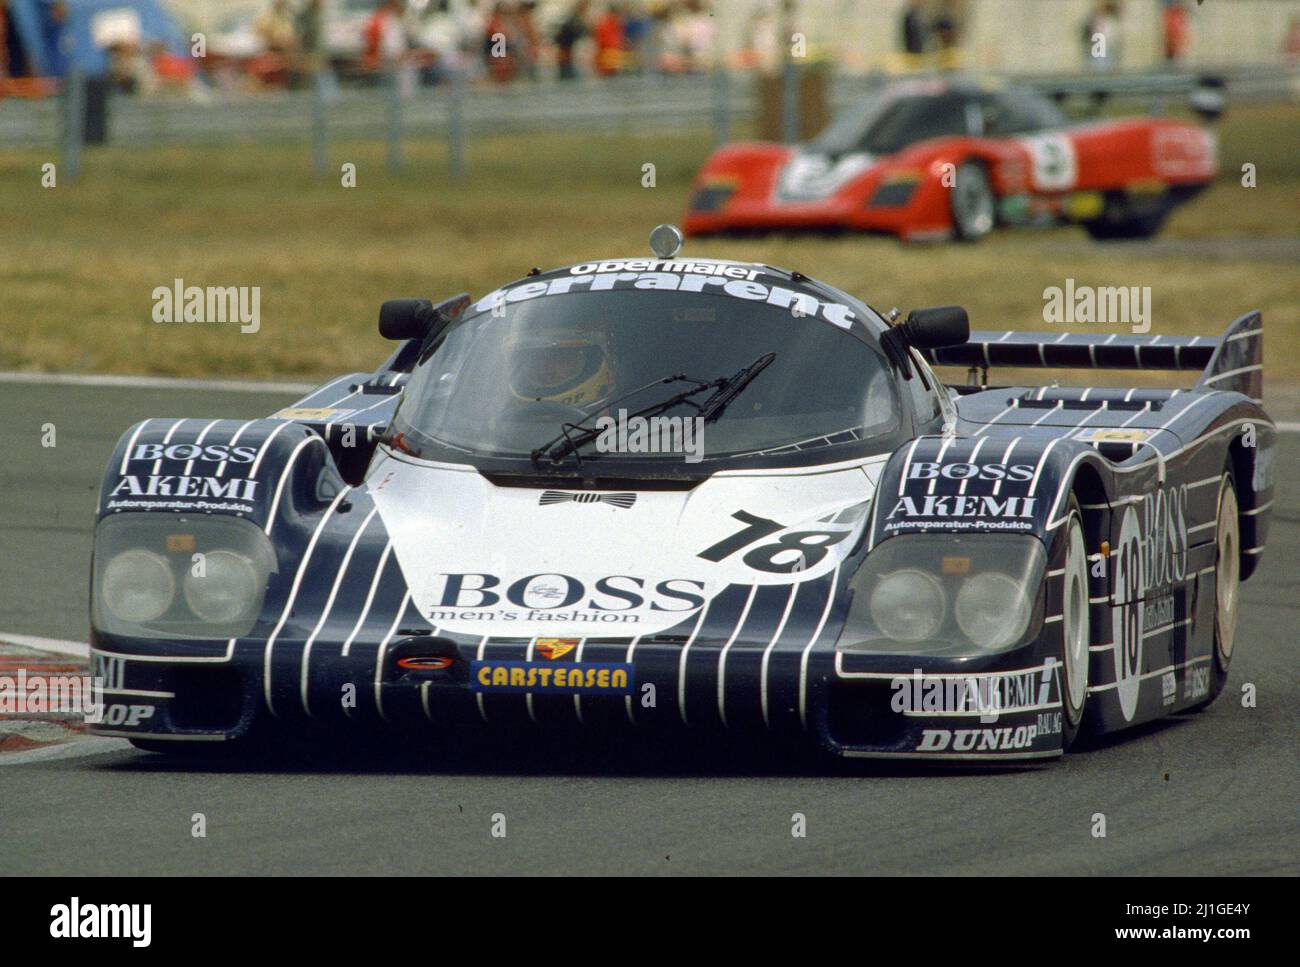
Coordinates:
(1076, 629)
(971, 201)
(1124, 218)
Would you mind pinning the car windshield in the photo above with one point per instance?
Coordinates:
(887, 125)
(503, 380)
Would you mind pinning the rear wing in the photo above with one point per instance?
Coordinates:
(1234, 362)
(1206, 93)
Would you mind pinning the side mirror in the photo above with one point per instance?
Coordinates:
(936, 327)
(405, 318)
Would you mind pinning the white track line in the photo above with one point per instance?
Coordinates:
(157, 382)
(75, 649)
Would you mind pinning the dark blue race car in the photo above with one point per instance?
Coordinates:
(672, 492)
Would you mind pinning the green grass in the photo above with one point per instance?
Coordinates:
(78, 263)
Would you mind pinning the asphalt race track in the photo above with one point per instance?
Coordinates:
(1213, 793)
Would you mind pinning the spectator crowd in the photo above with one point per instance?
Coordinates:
(275, 44)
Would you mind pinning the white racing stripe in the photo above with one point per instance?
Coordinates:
(383, 649)
(1042, 462)
(329, 604)
(198, 442)
(1060, 404)
(577, 699)
(370, 598)
(722, 656)
(681, 662)
(1006, 457)
(266, 445)
(334, 419)
(975, 452)
(130, 445)
(1069, 471)
(284, 476)
(943, 448)
(528, 696)
(767, 652)
(167, 438)
(995, 419)
(478, 655)
(907, 463)
(803, 657)
(631, 648)
(1233, 372)
(839, 670)
(221, 467)
(293, 596)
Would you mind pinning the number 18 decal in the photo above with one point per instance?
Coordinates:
(791, 553)
(1127, 613)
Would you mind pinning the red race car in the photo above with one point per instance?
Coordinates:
(942, 159)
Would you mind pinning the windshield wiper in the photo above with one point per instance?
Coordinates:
(727, 387)
(733, 387)
(562, 444)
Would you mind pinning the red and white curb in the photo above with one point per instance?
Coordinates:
(59, 736)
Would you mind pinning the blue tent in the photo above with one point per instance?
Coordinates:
(53, 50)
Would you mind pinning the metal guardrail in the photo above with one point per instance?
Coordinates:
(452, 110)
(616, 103)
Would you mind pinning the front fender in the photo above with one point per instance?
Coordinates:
(264, 471)
(975, 485)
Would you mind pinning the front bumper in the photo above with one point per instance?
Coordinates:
(853, 705)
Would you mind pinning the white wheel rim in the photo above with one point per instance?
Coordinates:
(1227, 572)
(1074, 627)
(972, 202)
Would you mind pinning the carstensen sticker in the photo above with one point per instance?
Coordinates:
(570, 678)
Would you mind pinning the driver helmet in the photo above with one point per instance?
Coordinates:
(568, 365)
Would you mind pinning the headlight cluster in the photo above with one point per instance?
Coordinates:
(908, 605)
(942, 594)
(993, 610)
(138, 585)
(177, 576)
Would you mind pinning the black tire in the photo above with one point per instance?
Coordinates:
(1120, 220)
(1076, 626)
(1227, 584)
(971, 202)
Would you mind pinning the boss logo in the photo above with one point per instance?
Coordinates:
(970, 471)
(544, 592)
(210, 453)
